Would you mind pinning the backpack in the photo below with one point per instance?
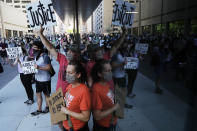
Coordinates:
(51, 71)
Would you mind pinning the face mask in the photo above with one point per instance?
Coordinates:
(36, 52)
(70, 79)
(69, 56)
(108, 76)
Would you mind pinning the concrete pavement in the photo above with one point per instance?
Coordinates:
(151, 112)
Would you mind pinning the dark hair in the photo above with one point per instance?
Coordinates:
(39, 45)
(79, 69)
(98, 67)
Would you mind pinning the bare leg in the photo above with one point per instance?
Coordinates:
(39, 100)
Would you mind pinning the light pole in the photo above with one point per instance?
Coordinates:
(139, 24)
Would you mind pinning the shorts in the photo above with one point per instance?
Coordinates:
(44, 87)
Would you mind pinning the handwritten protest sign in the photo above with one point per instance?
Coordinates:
(142, 48)
(55, 101)
(120, 14)
(132, 63)
(14, 52)
(28, 67)
(41, 13)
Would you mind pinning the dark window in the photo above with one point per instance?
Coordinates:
(16, 1)
(17, 6)
(8, 1)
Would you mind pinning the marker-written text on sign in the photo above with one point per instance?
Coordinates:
(41, 13)
(120, 15)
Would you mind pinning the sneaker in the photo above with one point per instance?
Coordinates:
(26, 101)
(131, 96)
(35, 113)
(158, 91)
(128, 106)
(30, 102)
(46, 110)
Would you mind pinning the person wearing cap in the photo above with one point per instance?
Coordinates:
(97, 53)
(73, 53)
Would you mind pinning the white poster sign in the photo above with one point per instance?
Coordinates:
(28, 67)
(122, 14)
(42, 13)
(14, 52)
(142, 48)
(132, 63)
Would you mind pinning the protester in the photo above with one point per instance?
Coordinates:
(119, 76)
(3, 52)
(103, 104)
(25, 79)
(129, 51)
(43, 78)
(72, 54)
(77, 98)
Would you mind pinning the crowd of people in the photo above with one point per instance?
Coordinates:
(90, 71)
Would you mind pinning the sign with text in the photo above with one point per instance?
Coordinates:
(41, 13)
(14, 52)
(142, 48)
(132, 63)
(28, 67)
(122, 14)
(55, 101)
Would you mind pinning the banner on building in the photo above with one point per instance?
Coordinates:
(122, 14)
(14, 52)
(55, 101)
(42, 13)
(142, 48)
(28, 67)
(132, 63)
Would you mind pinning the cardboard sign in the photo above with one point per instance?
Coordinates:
(121, 17)
(41, 13)
(142, 48)
(28, 67)
(132, 63)
(14, 52)
(55, 101)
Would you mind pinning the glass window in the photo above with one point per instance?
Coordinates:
(26, 2)
(8, 1)
(17, 6)
(17, 1)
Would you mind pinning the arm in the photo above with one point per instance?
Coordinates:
(45, 68)
(83, 116)
(118, 43)
(48, 45)
(98, 114)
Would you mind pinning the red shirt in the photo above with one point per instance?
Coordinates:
(103, 99)
(61, 82)
(77, 100)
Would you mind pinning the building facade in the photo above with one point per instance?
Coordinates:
(13, 22)
(166, 16)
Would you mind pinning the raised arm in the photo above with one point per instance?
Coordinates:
(118, 42)
(47, 44)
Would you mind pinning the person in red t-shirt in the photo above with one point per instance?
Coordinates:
(103, 104)
(72, 54)
(77, 98)
(97, 53)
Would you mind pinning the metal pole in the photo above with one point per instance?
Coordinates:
(77, 21)
(139, 20)
(162, 15)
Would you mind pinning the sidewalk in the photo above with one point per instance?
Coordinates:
(151, 112)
